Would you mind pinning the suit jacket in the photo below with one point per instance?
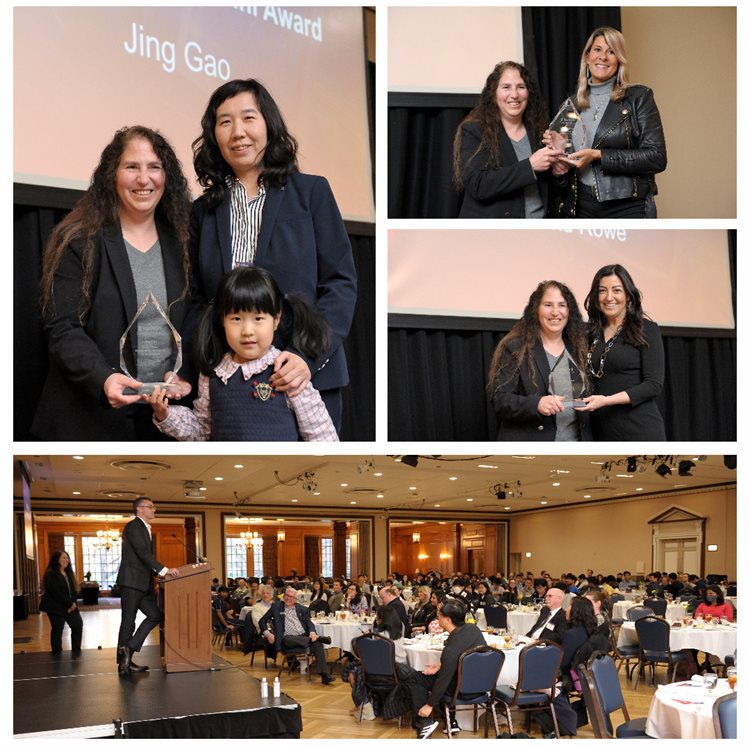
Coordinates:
(138, 565)
(334, 601)
(56, 599)
(496, 192)
(275, 616)
(400, 607)
(461, 639)
(83, 356)
(559, 626)
(517, 397)
(303, 243)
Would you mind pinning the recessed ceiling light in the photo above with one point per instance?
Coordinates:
(380, 495)
(344, 484)
(487, 466)
(437, 505)
(295, 500)
(378, 474)
(239, 466)
(507, 507)
(624, 476)
(412, 488)
(316, 493)
(469, 499)
(78, 458)
(587, 496)
(555, 484)
(76, 492)
(202, 489)
(639, 489)
(218, 479)
(544, 502)
(452, 479)
(352, 502)
(525, 458)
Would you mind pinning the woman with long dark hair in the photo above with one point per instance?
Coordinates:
(259, 209)
(126, 238)
(59, 594)
(530, 401)
(625, 360)
(618, 141)
(499, 162)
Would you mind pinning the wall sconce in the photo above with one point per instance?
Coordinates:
(281, 535)
(445, 556)
(422, 556)
(416, 537)
(713, 548)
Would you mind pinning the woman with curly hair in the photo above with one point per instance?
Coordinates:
(619, 139)
(625, 360)
(125, 239)
(259, 209)
(499, 162)
(536, 373)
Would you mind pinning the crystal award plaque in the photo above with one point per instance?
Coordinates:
(567, 381)
(159, 353)
(562, 127)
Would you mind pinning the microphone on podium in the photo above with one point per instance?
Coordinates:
(200, 559)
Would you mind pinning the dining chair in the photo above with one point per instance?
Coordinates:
(636, 613)
(476, 679)
(725, 716)
(623, 654)
(377, 657)
(599, 678)
(221, 634)
(653, 648)
(496, 616)
(657, 606)
(538, 670)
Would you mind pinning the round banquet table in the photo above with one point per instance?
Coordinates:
(341, 633)
(675, 612)
(519, 621)
(719, 640)
(684, 710)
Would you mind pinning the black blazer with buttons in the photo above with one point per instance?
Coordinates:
(496, 192)
(517, 397)
(559, 623)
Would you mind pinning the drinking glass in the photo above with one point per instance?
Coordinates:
(732, 677)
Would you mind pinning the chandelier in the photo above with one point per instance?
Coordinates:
(107, 537)
(251, 538)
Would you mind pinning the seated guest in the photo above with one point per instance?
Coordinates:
(483, 597)
(627, 583)
(570, 581)
(609, 586)
(288, 626)
(428, 686)
(225, 612)
(336, 596)
(673, 587)
(527, 594)
(261, 607)
(714, 604)
(510, 595)
(355, 601)
(363, 584)
(552, 622)
(318, 591)
(601, 604)
(391, 597)
(425, 610)
(437, 598)
(540, 589)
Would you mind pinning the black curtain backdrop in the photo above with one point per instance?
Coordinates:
(36, 213)
(437, 377)
(421, 128)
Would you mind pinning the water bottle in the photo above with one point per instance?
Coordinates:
(276, 688)
(264, 688)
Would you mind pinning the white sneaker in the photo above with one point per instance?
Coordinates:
(454, 728)
(426, 731)
(367, 712)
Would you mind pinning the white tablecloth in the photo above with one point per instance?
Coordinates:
(683, 710)
(519, 622)
(675, 612)
(719, 640)
(341, 633)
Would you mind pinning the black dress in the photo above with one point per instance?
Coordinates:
(638, 370)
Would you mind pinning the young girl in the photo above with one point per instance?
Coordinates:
(236, 400)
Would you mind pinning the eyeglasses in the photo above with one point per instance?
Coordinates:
(143, 505)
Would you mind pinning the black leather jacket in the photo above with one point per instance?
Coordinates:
(631, 138)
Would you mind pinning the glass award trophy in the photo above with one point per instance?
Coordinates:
(155, 354)
(562, 127)
(567, 381)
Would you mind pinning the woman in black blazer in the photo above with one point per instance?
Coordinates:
(625, 360)
(619, 139)
(59, 593)
(529, 403)
(134, 215)
(499, 163)
(259, 209)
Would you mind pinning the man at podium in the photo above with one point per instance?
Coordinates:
(135, 578)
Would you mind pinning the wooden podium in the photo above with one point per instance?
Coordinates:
(186, 629)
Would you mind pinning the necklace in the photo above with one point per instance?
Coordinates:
(607, 346)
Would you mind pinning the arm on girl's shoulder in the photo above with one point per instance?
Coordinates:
(183, 423)
(313, 421)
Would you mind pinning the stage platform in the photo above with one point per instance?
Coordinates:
(68, 696)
